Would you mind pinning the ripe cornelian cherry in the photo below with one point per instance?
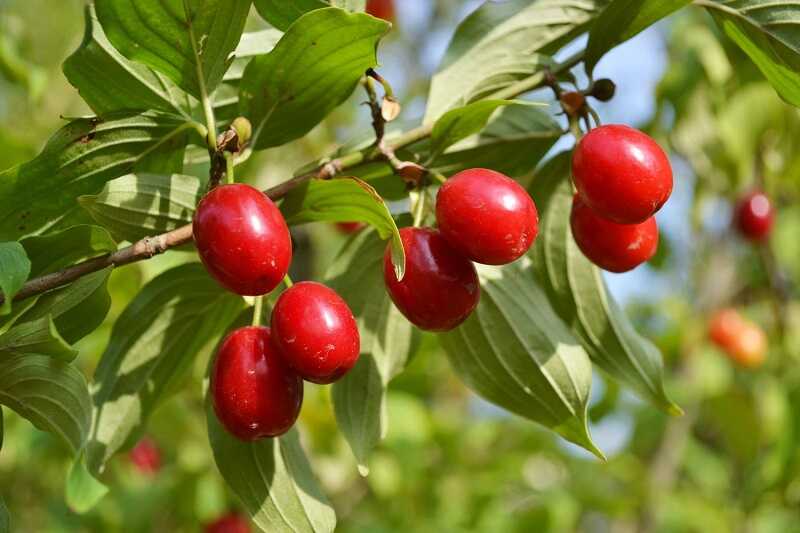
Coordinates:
(754, 216)
(230, 523)
(743, 341)
(383, 9)
(486, 216)
(242, 239)
(255, 394)
(611, 246)
(621, 173)
(146, 457)
(315, 332)
(440, 287)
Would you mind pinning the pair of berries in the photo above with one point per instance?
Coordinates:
(483, 216)
(742, 340)
(622, 177)
(256, 382)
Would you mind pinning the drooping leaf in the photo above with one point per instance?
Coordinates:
(82, 491)
(623, 19)
(76, 310)
(517, 353)
(191, 42)
(109, 82)
(172, 320)
(52, 394)
(314, 67)
(458, 124)
(768, 32)
(282, 13)
(387, 342)
(41, 194)
(498, 44)
(579, 295)
(137, 205)
(39, 337)
(273, 480)
(14, 270)
(344, 200)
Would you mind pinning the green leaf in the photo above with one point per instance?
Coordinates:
(498, 44)
(191, 42)
(282, 13)
(768, 32)
(173, 319)
(109, 82)
(54, 251)
(137, 205)
(82, 490)
(39, 337)
(460, 123)
(517, 353)
(579, 295)
(344, 199)
(387, 342)
(14, 270)
(623, 19)
(273, 480)
(40, 195)
(52, 394)
(314, 67)
(76, 310)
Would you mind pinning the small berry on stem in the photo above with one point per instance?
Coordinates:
(754, 216)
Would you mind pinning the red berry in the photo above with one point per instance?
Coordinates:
(315, 332)
(440, 287)
(146, 457)
(242, 239)
(743, 341)
(349, 227)
(611, 246)
(487, 216)
(383, 9)
(230, 523)
(754, 216)
(621, 173)
(255, 393)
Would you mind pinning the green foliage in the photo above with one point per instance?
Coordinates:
(14, 269)
(290, 90)
(282, 13)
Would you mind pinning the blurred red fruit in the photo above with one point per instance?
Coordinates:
(146, 457)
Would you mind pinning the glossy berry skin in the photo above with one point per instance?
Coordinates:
(230, 523)
(742, 340)
(146, 457)
(440, 287)
(611, 246)
(255, 394)
(383, 9)
(315, 332)
(242, 239)
(486, 216)
(621, 173)
(754, 216)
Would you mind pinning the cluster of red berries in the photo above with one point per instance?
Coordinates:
(257, 379)
(483, 216)
(623, 177)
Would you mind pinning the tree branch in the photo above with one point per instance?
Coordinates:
(151, 246)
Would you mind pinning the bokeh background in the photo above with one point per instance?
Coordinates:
(452, 462)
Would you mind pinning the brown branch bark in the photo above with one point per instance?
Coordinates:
(151, 246)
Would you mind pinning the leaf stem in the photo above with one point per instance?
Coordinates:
(288, 281)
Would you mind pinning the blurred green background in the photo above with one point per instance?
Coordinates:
(451, 462)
